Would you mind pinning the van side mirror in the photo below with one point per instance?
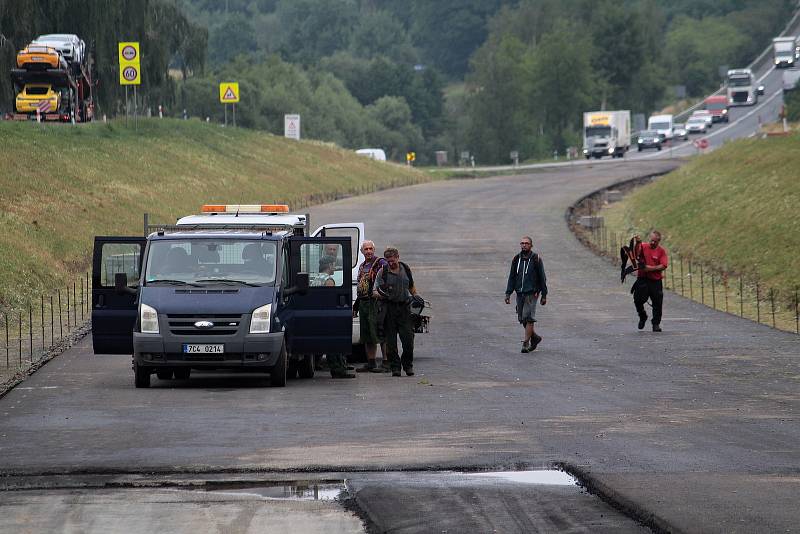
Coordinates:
(300, 286)
(121, 284)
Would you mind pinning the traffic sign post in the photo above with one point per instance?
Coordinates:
(291, 127)
(130, 72)
(229, 94)
(411, 157)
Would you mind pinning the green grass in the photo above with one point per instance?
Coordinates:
(734, 210)
(62, 185)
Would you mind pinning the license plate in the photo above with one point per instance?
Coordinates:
(203, 349)
(36, 58)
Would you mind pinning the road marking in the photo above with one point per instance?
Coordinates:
(41, 387)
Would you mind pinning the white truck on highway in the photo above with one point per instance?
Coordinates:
(606, 133)
(662, 124)
(742, 90)
(785, 51)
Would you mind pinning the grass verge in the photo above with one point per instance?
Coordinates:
(733, 215)
(61, 185)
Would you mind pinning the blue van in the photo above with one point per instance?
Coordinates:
(259, 296)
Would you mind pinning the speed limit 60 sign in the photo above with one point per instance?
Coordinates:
(130, 75)
(129, 64)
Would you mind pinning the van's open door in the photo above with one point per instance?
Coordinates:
(355, 231)
(320, 321)
(113, 312)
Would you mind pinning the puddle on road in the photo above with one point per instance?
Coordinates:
(294, 491)
(546, 477)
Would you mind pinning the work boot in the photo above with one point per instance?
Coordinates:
(526, 347)
(535, 342)
(409, 370)
(656, 328)
(642, 321)
(368, 367)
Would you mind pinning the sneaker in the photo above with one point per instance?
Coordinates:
(368, 367)
(535, 342)
(642, 321)
(379, 369)
(526, 348)
(409, 371)
(656, 328)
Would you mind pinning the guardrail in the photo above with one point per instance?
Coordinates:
(791, 28)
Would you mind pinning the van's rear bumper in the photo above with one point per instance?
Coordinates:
(251, 350)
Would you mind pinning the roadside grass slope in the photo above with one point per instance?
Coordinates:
(736, 210)
(60, 186)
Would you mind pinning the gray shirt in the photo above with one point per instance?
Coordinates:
(396, 288)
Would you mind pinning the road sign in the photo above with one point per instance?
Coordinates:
(411, 156)
(130, 75)
(702, 144)
(229, 92)
(291, 126)
(129, 53)
(43, 106)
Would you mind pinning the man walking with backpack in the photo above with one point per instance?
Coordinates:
(527, 279)
(394, 287)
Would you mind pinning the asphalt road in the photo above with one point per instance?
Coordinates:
(695, 427)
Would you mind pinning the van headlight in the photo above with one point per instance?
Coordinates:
(611, 150)
(259, 321)
(148, 319)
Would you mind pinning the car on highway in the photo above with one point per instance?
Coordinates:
(70, 46)
(649, 139)
(679, 132)
(705, 115)
(717, 105)
(32, 96)
(696, 125)
(40, 57)
(662, 124)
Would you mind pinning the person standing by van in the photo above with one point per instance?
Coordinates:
(367, 308)
(394, 286)
(528, 280)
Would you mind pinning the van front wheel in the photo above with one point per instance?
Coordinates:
(277, 377)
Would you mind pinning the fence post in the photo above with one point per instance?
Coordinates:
(672, 274)
(60, 318)
(44, 339)
(30, 327)
(20, 337)
(74, 302)
(796, 315)
(758, 303)
(691, 282)
(772, 304)
(702, 287)
(52, 323)
(69, 326)
(681, 258)
(5, 315)
(741, 296)
(725, 287)
(713, 291)
(82, 300)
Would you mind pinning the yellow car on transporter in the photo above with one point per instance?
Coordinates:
(33, 94)
(40, 57)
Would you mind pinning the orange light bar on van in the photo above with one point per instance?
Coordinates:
(245, 208)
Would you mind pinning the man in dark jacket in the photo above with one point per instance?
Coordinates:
(527, 279)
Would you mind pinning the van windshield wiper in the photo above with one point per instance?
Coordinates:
(171, 282)
(228, 281)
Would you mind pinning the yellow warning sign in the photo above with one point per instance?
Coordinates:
(130, 72)
(229, 92)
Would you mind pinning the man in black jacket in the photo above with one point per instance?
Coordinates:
(527, 279)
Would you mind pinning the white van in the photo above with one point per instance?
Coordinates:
(373, 153)
(663, 124)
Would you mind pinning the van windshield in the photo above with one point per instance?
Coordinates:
(739, 81)
(659, 126)
(202, 262)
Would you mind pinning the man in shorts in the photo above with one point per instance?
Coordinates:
(528, 280)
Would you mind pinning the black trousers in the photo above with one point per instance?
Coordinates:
(644, 289)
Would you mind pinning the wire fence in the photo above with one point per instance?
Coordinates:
(735, 293)
(28, 334)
